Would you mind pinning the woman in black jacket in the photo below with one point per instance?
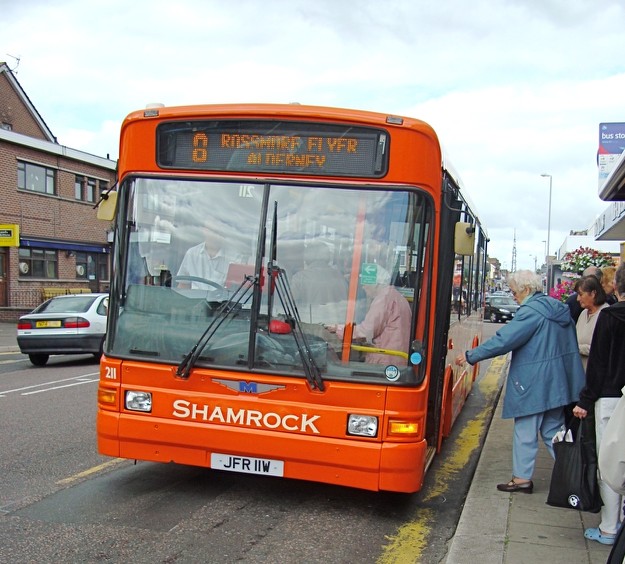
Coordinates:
(605, 376)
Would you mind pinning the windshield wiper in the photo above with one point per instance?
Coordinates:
(243, 291)
(283, 289)
(279, 282)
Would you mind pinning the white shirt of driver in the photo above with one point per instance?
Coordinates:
(197, 262)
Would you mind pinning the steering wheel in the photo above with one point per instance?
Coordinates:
(213, 286)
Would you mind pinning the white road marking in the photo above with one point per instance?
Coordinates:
(59, 387)
(13, 361)
(47, 386)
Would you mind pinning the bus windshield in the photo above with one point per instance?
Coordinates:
(315, 267)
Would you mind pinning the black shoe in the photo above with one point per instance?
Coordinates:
(512, 486)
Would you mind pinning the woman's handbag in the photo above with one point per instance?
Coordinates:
(574, 477)
(612, 451)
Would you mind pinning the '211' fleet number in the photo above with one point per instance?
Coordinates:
(246, 191)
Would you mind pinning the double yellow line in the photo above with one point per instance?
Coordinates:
(408, 544)
(90, 471)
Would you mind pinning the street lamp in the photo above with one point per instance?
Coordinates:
(548, 229)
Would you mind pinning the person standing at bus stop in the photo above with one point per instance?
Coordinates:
(572, 302)
(591, 296)
(607, 281)
(605, 378)
(545, 372)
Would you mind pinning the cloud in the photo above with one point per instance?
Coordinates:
(515, 88)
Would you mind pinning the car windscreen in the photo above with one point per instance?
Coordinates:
(502, 302)
(74, 304)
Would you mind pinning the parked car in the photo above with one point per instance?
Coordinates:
(72, 324)
(500, 308)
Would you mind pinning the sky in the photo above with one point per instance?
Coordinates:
(514, 88)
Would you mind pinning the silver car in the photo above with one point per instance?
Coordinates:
(72, 324)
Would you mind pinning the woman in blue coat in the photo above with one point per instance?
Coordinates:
(545, 372)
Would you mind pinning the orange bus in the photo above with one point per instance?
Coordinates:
(290, 287)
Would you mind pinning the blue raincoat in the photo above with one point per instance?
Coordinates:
(545, 369)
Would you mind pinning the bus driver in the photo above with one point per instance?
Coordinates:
(207, 260)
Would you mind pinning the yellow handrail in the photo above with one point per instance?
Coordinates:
(365, 348)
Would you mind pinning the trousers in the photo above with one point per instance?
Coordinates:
(525, 439)
(611, 509)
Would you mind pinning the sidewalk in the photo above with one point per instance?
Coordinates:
(496, 527)
(8, 337)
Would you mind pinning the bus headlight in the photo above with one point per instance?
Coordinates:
(138, 401)
(363, 425)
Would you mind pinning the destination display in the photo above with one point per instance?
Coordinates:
(273, 146)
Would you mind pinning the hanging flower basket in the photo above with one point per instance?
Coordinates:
(562, 291)
(575, 262)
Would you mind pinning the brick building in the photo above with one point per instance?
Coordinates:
(50, 238)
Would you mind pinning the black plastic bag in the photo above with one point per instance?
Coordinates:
(574, 477)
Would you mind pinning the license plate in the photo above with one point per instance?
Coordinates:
(246, 464)
(47, 324)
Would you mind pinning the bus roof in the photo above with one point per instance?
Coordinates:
(295, 110)
(286, 110)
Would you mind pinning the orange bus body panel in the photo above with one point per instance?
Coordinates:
(413, 137)
(329, 455)
(359, 464)
(465, 336)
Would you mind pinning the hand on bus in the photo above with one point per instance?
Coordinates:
(460, 360)
(338, 329)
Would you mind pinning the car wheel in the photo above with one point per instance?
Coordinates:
(493, 318)
(39, 359)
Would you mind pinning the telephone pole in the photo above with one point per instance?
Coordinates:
(513, 263)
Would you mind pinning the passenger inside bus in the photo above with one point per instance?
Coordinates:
(320, 289)
(386, 325)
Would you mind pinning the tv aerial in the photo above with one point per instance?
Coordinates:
(17, 64)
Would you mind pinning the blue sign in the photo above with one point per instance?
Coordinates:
(611, 145)
(611, 138)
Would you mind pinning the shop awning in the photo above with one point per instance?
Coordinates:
(64, 245)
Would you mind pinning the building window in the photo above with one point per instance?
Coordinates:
(81, 266)
(103, 267)
(85, 188)
(90, 190)
(38, 263)
(92, 265)
(104, 186)
(35, 178)
(78, 184)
